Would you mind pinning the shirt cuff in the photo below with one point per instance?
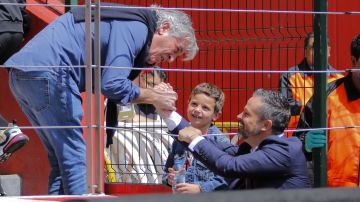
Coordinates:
(173, 120)
(194, 142)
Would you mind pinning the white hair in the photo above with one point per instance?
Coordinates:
(180, 27)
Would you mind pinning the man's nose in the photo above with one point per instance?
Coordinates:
(239, 116)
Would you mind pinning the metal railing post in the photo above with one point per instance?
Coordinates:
(88, 84)
(320, 82)
(99, 143)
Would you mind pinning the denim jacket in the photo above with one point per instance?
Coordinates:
(198, 173)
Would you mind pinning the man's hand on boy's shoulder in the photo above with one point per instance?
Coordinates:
(188, 134)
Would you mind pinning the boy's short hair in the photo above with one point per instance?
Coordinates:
(211, 91)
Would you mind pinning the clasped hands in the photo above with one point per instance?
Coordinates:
(165, 102)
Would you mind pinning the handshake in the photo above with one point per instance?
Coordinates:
(315, 139)
(166, 98)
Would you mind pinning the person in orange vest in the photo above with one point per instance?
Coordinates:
(343, 113)
(298, 86)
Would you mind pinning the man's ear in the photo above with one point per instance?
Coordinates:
(164, 28)
(216, 116)
(267, 125)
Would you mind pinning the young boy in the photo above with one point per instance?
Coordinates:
(204, 107)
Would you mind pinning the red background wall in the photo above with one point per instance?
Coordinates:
(252, 41)
(230, 41)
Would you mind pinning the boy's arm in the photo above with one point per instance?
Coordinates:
(175, 122)
(217, 182)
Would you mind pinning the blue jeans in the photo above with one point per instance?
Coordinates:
(52, 98)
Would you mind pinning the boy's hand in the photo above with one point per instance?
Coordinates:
(187, 188)
(171, 175)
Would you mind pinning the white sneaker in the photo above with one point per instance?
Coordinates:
(11, 140)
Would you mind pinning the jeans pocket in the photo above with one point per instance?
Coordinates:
(33, 91)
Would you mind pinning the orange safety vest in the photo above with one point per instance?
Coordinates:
(301, 87)
(343, 144)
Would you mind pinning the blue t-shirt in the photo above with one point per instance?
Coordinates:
(62, 44)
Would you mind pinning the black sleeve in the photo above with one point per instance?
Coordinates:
(305, 122)
(285, 90)
(111, 120)
(26, 18)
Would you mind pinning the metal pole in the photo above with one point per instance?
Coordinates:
(320, 98)
(99, 143)
(88, 83)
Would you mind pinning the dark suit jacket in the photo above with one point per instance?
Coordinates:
(278, 162)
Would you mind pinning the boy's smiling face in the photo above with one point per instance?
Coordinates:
(201, 111)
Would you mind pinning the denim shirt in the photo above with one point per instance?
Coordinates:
(198, 173)
(120, 41)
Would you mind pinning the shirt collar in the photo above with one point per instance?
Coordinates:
(281, 135)
(304, 66)
(254, 149)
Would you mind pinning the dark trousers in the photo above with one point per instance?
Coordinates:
(10, 42)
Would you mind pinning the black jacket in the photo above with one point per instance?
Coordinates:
(11, 16)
